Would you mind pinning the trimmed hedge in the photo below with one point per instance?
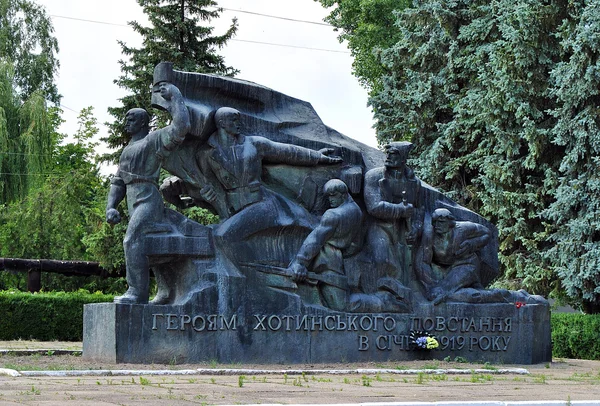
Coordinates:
(576, 335)
(59, 316)
(45, 316)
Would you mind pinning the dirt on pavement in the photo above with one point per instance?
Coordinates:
(560, 380)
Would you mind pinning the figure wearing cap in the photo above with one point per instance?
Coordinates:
(391, 197)
(137, 178)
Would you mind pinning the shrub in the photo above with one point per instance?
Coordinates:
(575, 336)
(45, 316)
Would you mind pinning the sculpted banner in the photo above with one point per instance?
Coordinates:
(312, 224)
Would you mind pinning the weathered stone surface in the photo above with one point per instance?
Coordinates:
(320, 238)
(495, 333)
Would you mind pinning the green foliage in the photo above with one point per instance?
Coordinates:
(174, 35)
(469, 84)
(368, 26)
(45, 316)
(575, 336)
(27, 138)
(575, 84)
(27, 42)
(36, 226)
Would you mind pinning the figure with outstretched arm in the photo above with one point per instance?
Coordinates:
(235, 162)
(137, 180)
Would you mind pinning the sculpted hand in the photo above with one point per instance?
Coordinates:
(113, 216)
(326, 159)
(408, 210)
(298, 271)
(463, 248)
(208, 193)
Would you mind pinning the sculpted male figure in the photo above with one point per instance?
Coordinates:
(448, 259)
(137, 178)
(324, 249)
(236, 162)
(392, 197)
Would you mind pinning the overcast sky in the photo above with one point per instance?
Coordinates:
(89, 56)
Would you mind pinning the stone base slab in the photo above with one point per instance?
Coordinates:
(495, 333)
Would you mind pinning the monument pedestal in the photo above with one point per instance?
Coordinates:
(495, 333)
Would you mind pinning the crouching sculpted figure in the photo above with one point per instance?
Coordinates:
(449, 254)
(325, 248)
(137, 179)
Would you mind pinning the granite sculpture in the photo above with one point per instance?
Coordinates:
(326, 249)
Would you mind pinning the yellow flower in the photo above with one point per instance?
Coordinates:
(432, 343)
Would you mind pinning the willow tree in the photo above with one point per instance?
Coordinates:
(28, 43)
(176, 35)
(27, 138)
(28, 65)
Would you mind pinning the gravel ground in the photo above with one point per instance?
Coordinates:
(560, 380)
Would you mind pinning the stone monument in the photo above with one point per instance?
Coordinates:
(327, 250)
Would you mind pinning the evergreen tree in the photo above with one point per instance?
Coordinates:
(175, 35)
(576, 212)
(468, 84)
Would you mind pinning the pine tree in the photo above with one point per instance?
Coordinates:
(175, 35)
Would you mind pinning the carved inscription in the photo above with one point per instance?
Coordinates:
(210, 322)
(453, 333)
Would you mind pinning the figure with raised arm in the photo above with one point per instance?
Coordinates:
(137, 179)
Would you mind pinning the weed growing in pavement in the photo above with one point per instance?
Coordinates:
(489, 366)
(479, 378)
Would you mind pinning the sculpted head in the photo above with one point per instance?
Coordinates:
(336, 191)
(136, 120)
(228, 119)
(442, 220)
(396, 154)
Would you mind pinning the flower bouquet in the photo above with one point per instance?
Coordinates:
(422, 340)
